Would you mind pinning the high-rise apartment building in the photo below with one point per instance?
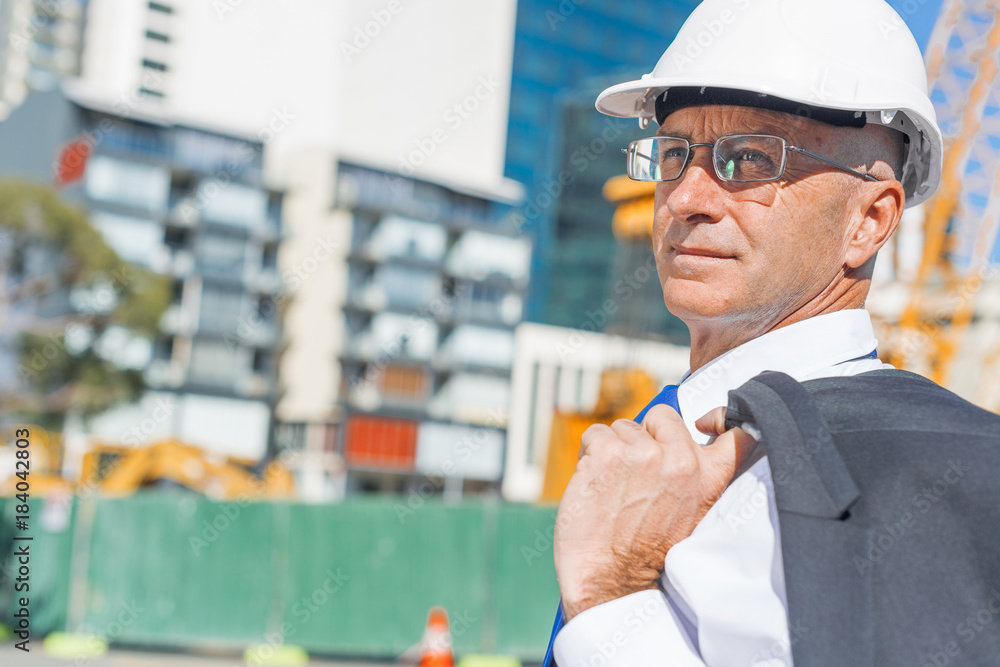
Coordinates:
(435, 280)
(191, 203)
(41, 42)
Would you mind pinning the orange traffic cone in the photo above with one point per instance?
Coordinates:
(436, 644)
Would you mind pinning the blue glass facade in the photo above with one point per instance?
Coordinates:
(563, 150)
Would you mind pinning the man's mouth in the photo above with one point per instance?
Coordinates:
(701, 252)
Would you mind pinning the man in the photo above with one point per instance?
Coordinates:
(791, 135)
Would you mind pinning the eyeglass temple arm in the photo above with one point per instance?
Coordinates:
(835, 164)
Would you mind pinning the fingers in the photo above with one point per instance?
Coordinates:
(665, 425)
(593, 434)
(661, 423)
(621, 431)
(712, 422)
(727, 454)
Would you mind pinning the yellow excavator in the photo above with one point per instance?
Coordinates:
(43, 461)
(116, 470)
(624, 392)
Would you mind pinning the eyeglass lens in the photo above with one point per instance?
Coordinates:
(743, 157)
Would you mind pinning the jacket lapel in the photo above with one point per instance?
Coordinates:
(829, 602)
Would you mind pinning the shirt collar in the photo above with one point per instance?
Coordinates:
(801, 350)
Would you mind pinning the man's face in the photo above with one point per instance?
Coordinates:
(750, 253)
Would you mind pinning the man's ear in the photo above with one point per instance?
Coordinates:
(879, 208)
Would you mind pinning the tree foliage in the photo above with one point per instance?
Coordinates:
(64, 290)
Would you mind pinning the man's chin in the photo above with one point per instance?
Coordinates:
(692, 300)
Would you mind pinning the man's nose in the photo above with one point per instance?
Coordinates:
(697, 195)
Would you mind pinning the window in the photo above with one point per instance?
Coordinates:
(160, 7)
(266, 308)
(164, 350)
(177, 291)
(212, 363)
(407, 287)
(220, 309)
(132, 183)
(441, 447)
(41, 49)
(481, 346)
(134, 239)
(290, 436)
(157, 36)
(220, 255)
(233, 204)
(204, 151)
(153, 64)
(402, 237)
(404, 383)
(389, 332)
(40, 18)
(176, 237)
(477, 255)
(262, 362)
(480, 301)
(269, 257)
(135, 136)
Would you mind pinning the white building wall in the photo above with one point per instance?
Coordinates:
(114, 34)
(428, 95)
(314, 276)
(418, 87)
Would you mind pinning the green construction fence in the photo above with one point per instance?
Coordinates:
(171, 569)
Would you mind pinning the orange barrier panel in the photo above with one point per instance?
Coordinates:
(380, 442)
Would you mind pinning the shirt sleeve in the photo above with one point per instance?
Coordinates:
(633, 631)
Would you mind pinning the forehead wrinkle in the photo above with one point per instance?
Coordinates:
(750, 120)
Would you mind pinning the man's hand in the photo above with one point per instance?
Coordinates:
(637, 491)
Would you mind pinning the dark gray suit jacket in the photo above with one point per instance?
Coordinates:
(888, 495)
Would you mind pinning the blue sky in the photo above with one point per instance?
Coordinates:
(920, 15)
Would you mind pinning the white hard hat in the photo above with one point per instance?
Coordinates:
(848, 63)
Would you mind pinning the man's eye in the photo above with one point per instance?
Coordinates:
(753, 156)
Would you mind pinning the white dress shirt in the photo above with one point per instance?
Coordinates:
(724, 602)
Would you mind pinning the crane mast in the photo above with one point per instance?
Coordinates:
(960, 250)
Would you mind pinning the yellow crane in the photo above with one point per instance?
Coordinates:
(942, 298)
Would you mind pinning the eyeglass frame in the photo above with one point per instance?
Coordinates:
(715, 159)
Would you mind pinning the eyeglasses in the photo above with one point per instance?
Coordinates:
(738, 158)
